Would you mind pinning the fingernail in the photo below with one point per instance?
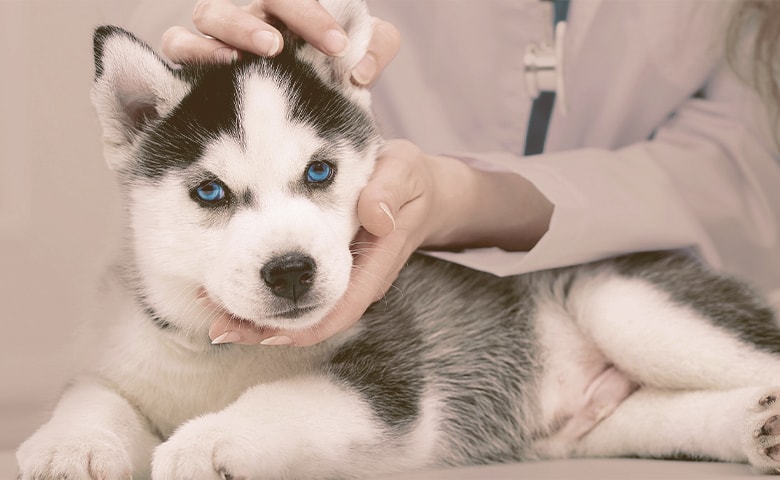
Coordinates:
(225, 55)
(266, 42)
(383, 206)
(336, 43)
(364, 71)
(227, 337)
(277, 341)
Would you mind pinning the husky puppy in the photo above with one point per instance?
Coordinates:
(239, 185)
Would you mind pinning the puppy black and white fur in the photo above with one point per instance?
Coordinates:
(239, 185)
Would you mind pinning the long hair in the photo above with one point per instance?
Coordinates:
(753, 51)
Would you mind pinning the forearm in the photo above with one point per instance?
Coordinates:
(479, 208)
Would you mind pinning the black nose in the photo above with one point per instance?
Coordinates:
(289, 276)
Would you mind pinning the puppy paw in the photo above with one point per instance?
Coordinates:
(213, 448)
(82, 455)
(763, 437)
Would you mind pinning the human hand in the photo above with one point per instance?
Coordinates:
(396, 210)
(227, 28)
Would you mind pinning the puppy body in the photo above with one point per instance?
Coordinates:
(240, 184)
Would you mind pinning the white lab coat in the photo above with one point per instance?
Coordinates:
(639, 162)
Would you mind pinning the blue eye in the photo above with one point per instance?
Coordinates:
(319, 172)
(210, 193)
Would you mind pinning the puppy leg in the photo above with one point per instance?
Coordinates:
(660, 342)
(301, 428)
(740, 425)
(93, 434)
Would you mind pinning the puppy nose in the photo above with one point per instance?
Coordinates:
(289, 276)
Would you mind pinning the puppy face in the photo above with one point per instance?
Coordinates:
(241, 182)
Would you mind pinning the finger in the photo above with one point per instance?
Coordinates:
(228, 329)
(309, 20)
(383, 47)
(393, 184)
(235, 26)
(182, 46)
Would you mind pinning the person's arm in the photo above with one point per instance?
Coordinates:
(709, 179)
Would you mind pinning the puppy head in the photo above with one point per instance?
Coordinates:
(240, 180)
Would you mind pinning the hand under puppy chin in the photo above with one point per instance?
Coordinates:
(226, 328)
(395, 209)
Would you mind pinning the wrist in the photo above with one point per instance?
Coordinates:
(475, 208)
(453, 191)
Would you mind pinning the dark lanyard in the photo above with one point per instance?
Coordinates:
(542, 108)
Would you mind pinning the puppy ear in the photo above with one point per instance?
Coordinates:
(353, 16)
(133, 87)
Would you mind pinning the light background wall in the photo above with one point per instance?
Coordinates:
(59, 214)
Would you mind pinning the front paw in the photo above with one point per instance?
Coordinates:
(53, 453)
(211, 448)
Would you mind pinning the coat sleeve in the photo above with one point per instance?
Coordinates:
(707, 180)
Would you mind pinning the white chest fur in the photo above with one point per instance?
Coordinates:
(170, 380)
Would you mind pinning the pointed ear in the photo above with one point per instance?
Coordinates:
(133, 87)
(353, 16)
